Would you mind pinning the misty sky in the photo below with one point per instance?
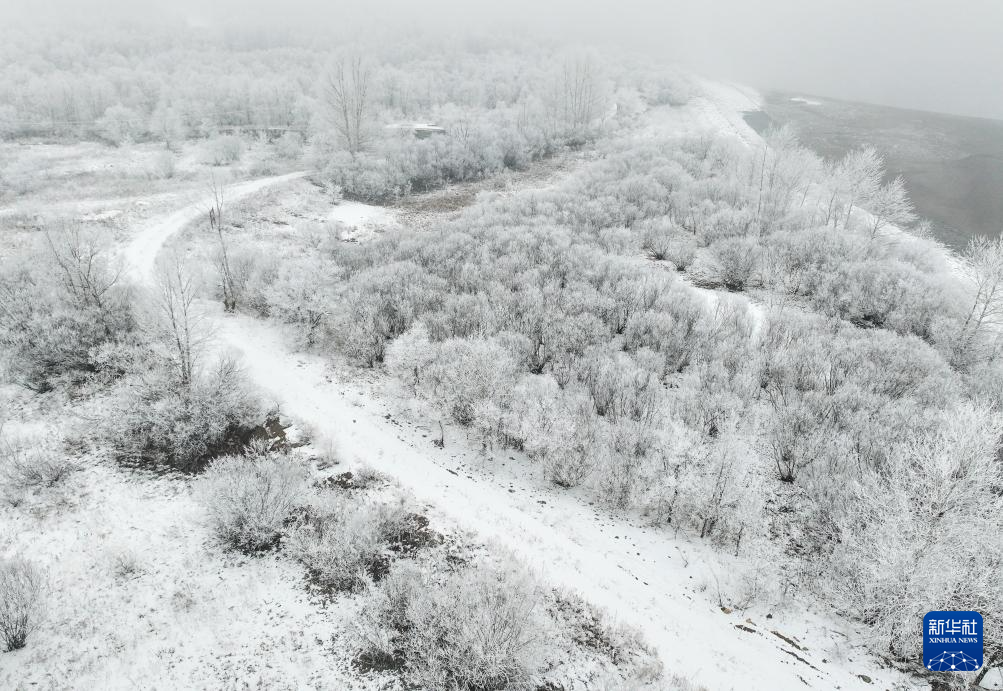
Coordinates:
(926, 54)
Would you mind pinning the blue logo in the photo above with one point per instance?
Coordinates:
(952, 641)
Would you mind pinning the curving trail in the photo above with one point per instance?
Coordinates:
(642, 576)
(140, 255)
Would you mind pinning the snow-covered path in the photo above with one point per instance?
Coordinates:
(140, 254)
(715, 107)
(637, 573)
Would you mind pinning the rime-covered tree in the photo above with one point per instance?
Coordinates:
(890, 205)
(345, 92)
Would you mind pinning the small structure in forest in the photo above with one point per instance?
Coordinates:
(420, 130)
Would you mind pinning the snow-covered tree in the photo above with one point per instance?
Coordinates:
(890, 205)
(346, 97)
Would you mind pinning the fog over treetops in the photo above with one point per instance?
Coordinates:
(921, 54)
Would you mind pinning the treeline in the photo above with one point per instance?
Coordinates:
(173, 83)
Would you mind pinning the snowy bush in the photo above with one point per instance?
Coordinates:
(656, 238)
(22, 589)
(667, 87)
(344, 545)
(248, 499)
(467, 372)
(478, 629)
(737, 261)
(476, 145)
(224, 149)
(681, 250)
(61, 302)
(664, 240)
(120, 125)
(164, 165)
(289, 145)
(716, 491)
(387, 301)
(29, 464)
(162, 419)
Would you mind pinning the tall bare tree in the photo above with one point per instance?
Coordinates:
(84, 269)
(226, 275)
(179, 319)
(578, 98)
(345, 92)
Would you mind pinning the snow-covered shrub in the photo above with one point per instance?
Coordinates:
(628, 661)
(61, 302)
(796, 261)
(294, 291)
(248, 499)
(22, 591)
(467, 372)
(885, 293)
(29, 464)
(737, 261)
(161, 419)
(667, 87)
(370, 178)
(626, 468)
(478, 629)
(387, 300)
(681, 251)
(716, 222)
(224, 149)
(164, 165)
(569, 440)
(344, 545)
(716, 491)
(797, 432)
(120, 125)
(290, 145)
(662, 239)
(618, 387)
(409, 356)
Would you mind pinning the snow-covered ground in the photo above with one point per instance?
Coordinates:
(357, 214)
(140, 597)
(360, 222)
(714, 107)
